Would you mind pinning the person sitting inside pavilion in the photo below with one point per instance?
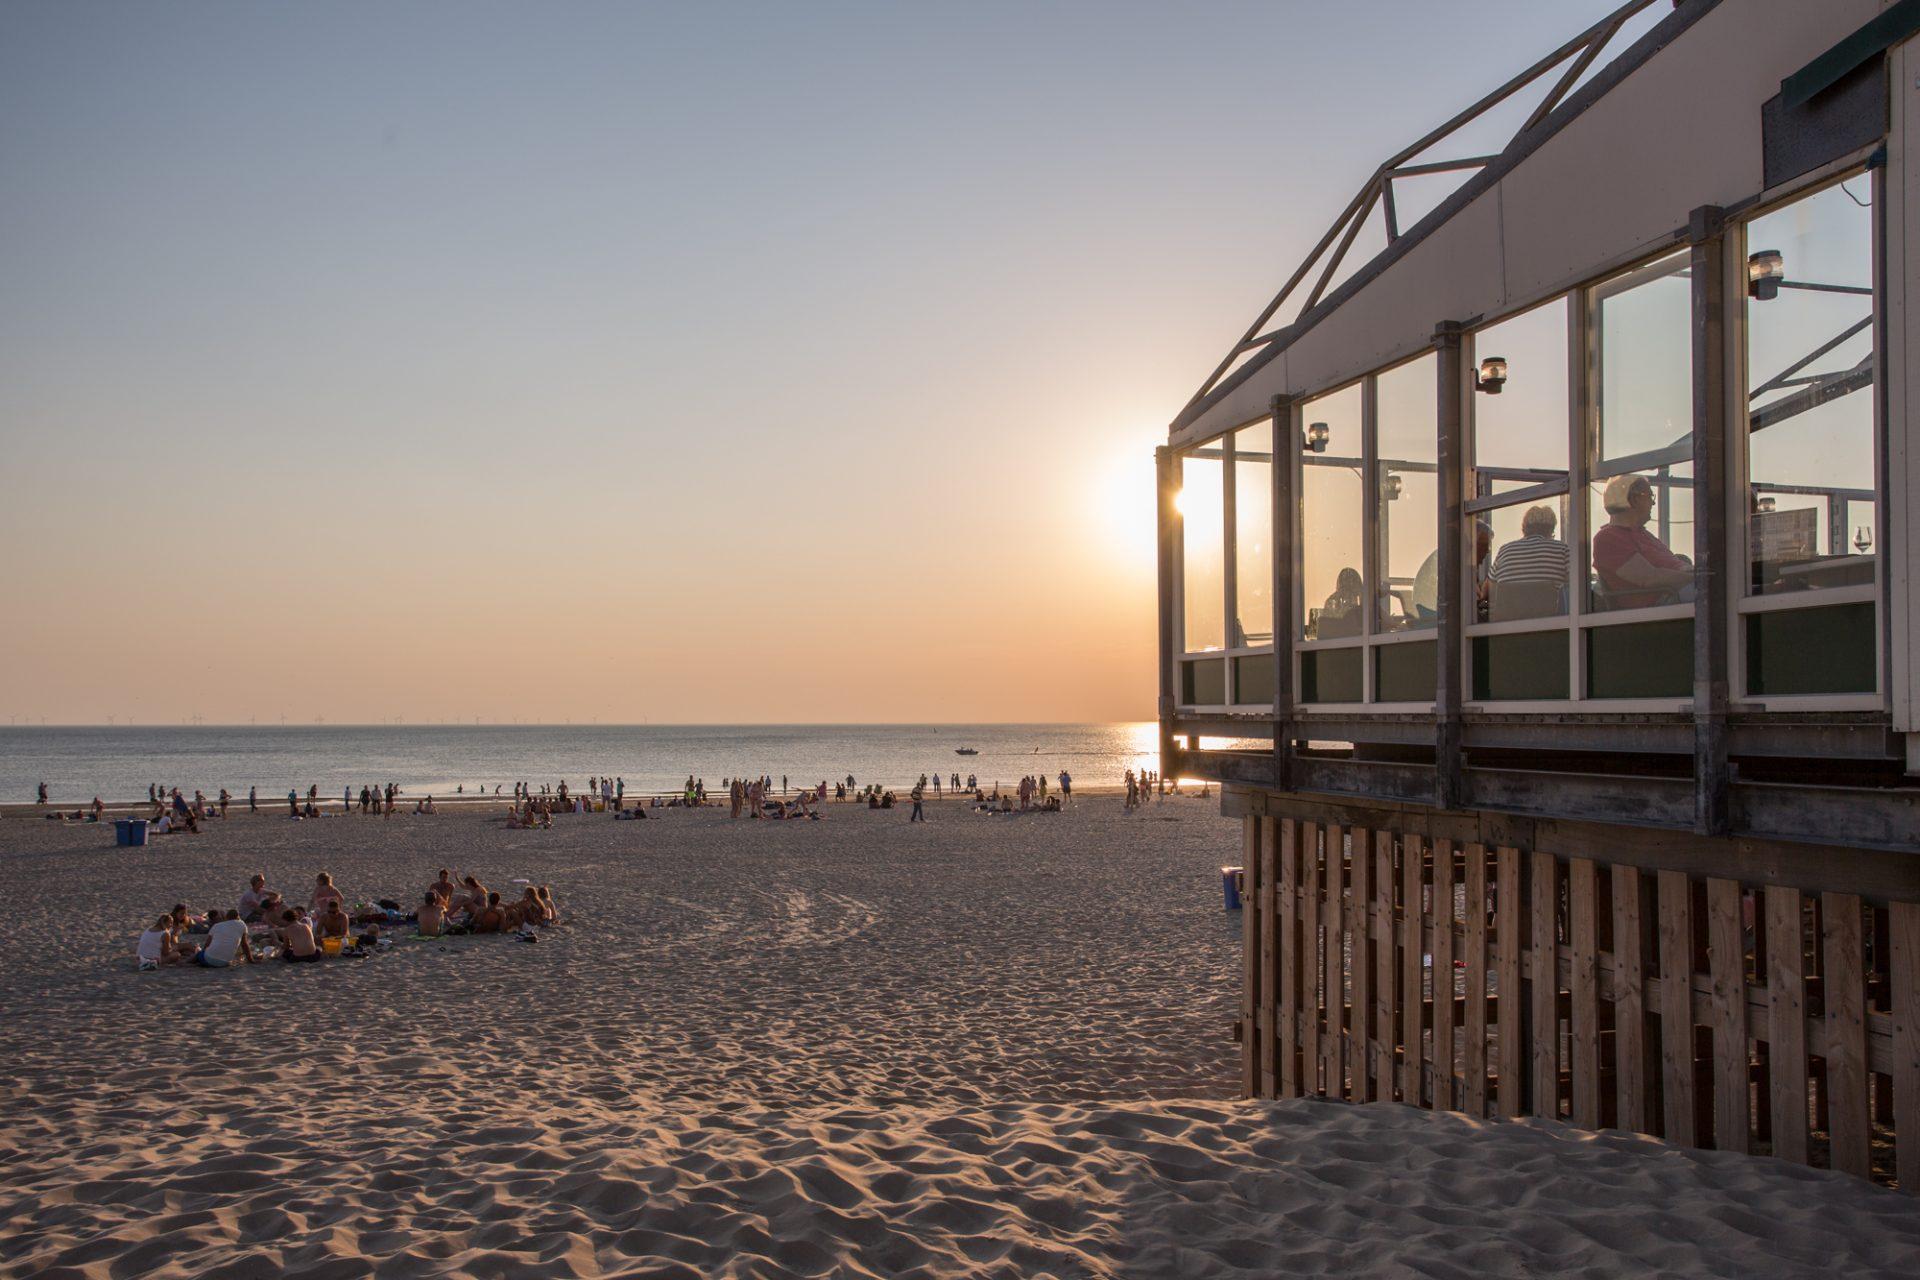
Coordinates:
(1529, 575)
(1635, 568)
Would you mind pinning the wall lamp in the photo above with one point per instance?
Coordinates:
(1393, 485)
(1765, 505)
(1317, 436)
(1493, 375)
(1765, 269)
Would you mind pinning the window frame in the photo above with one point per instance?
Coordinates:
(1371, 638)
(1741, 601)
(1218, 447)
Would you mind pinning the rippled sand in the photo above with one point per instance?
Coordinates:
(850, 1048)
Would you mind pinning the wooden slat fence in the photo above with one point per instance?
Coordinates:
(1385, 966)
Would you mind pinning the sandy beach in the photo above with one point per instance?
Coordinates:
(858, 1047)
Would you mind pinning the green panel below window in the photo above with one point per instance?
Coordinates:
(1331, 675)
(1530, 665)
(1405, 672)
(1641, 660)
(1203, 683)
(1253, 681)
(1827, 650)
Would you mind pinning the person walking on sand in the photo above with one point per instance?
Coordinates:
(43, 793)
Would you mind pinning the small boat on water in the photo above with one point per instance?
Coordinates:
(965, 751)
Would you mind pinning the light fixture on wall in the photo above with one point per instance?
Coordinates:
(1765, 269)
(1493, 375)
(1392, 486)
(1317, 436)
(1765, 505)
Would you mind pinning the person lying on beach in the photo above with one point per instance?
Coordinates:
(433, 915)
(324, 892)
(300, 945)
(157, 946)
(226, 940)
(333, 921)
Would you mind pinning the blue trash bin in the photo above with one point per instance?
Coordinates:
(1230, 887)
(122, 831)
(137, 831)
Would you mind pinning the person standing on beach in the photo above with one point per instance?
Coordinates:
(43, 793)
(919, 794)
(253, 799)
(1066, 787)
(293, 802)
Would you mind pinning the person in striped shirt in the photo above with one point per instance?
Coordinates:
(1535, 556)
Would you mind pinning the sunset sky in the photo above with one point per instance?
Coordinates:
(687, 363)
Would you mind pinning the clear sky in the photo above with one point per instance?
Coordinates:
(706, 362)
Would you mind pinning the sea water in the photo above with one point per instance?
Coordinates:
(118, 763)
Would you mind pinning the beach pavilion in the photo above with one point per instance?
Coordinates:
(1535, 578)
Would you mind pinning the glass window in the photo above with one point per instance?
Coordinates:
(1253, 535)
(1806, 651)
(1406, 672)
(1641, 499)
(1203, 537)
(1204, 683)
(1529, 566)
(1810, 437)
(1520, 433)
(1407, 448)
(1332, 541)
(1253, 680)
(1331, 675)
(1643, 340)
(1527, 665)
(1641, 660)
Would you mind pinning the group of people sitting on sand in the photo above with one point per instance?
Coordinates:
(265, 924)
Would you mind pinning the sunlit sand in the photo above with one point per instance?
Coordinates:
(975, 1047)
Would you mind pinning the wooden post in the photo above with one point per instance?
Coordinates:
(1510, 928)
(1546, 987)
(1905, 975)
(1412, 954)
(1583, 1023)
(1713, 575)
(1312, 888)
(1290, 962)
(1381, 930)
(1787, 1024)
(1333, 922)
(1843, 987)
(1272, 927)
(1251, 941)
(1454, 613)
(1677, 1093)
(1475, 1030)
(1727, 961)
(1360, 1024)
(1166, 487)
(1443, 1091)
(1286, 454)
(1629, 1002)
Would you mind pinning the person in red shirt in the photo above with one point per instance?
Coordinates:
(1635, 568)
